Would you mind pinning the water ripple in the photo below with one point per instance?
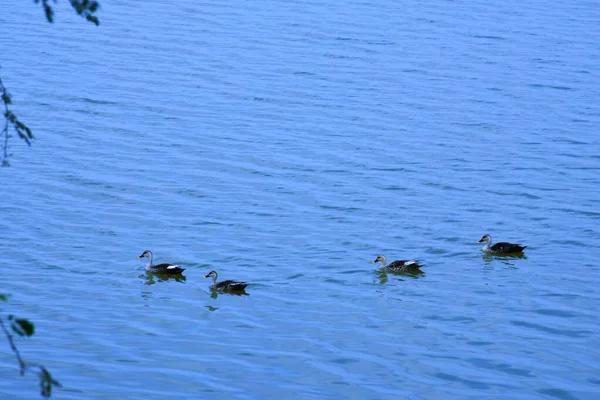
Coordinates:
(287, 145)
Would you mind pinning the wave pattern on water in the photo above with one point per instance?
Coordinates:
(287, 145)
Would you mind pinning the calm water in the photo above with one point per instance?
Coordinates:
(288, 144)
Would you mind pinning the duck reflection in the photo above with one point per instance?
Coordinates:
(150, 278)
(215, 293)
(382, 275)
(506, 259)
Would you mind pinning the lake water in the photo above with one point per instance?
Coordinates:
(288, 144)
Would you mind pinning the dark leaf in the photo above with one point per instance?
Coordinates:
(93, 7)
(10, 116)
(24, 137)
(46, 382)
(3, 297)
(6, 98)
(77, 6)
(22, 327)
(93, 19)
(49, 13)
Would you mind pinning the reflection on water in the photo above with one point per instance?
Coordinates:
(507, 259)
(150, 279)
(317, 163)
(382, 275)
(215, 293)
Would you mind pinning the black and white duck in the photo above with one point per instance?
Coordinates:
(398, 265)
(500, 247)
(225, 286)
(165, 268)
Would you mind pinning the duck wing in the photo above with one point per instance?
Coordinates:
(505, 247)
(403, 265)
(231, 285)
(167, 269)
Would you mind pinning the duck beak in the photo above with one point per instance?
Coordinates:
(374, 261)
(205, 276)
(480, 240)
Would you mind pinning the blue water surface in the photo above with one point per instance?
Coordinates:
(287, 144)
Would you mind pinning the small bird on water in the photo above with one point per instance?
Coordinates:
(500, 247)
(165, 268)
(225, 286)
(398, 265)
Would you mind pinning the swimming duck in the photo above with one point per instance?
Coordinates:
(225, 286)
(398, 265)
(500, 247)
(160, 268)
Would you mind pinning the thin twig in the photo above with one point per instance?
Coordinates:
(5, 129)
(13, 347)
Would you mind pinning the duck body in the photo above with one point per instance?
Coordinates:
(500, 247)
(398, 265)
(165, 268)
(225, 286)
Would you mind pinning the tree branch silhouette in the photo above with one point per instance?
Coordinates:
(24, 327)
(87, 9)
(11, 120)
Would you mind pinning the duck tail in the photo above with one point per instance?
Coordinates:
(412, 262)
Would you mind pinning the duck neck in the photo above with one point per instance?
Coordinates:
(383, 262)
(149, 265)
(214, 278)
(487, 246)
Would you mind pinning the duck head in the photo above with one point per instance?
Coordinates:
(211, 274)
(485, 238)
(380, 259)
(146, 253)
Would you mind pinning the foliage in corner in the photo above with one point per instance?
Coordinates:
(24, 327)
(85, 8)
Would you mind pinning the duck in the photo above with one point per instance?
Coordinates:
(166, 268)
(398, 265)
(500, 247)
(225, 286)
